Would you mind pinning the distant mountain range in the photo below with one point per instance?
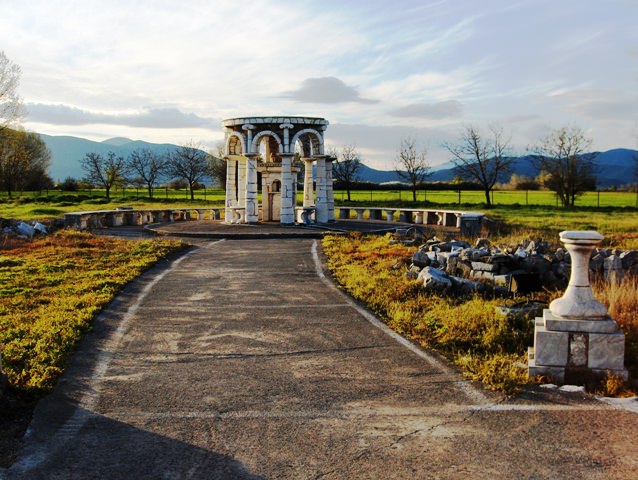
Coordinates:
(615, 167)
(67, 152)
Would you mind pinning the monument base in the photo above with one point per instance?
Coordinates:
(577, 351)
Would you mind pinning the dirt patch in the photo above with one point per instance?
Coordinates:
(16, 412)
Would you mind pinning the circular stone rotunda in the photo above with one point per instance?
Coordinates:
(277, 147)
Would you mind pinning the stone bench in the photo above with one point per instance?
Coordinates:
(344, 213)
(123, 217)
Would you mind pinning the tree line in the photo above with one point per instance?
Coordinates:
(485, 158)
(24, 157)
(482, 158)
(147, 168)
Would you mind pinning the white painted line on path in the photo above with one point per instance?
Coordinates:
(37, 453)
(472, 393)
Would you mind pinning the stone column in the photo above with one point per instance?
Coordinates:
(265, 197)
(252, 213)
(287, 208)
(241, 183)
(286, 127)
(330, 200)
(249, 137)
(308, 191)
(322, 199)
(231, 192)
(576, 341)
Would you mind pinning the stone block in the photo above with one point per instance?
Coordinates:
(584, 326)
(578, 349)
(484, 267)
(503, 280)
(557, 374)
(421, 259)
(434, 279)
(629, 258)
(606, 351)
(550, 348)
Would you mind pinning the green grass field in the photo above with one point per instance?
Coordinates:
(616, 217)
(501, 197)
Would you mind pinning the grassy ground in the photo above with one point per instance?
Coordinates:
(467, 329)
(50, 290)
(501, 197)
(34, 205)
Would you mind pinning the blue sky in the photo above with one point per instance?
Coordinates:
(166, 71)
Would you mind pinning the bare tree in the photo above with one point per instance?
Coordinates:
(147, 166)
(10, 101)
(189, 163)
(218, 165)
(411, 164)
(346, 166)
(480, 159)
(104, 171)
(24, 160)
(569, 169)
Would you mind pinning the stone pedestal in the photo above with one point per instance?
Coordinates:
(575, 341)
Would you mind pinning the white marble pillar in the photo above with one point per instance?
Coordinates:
(231, 191)
(578, 302)
(322, 198)
(287, 206)
(252, 213)
(308, 190)
(330, 200)
(241, 183)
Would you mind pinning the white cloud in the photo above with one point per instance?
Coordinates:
(164, 117)
(437, 111)
(374, 63)
(326, 90)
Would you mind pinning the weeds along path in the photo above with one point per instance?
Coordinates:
(243, 360)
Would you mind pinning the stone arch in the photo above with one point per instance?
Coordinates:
(234, 141)
(266, 133)
(311, 142)
(274, 136)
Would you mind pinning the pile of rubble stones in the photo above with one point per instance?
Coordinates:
(27, 230)
(457, 267)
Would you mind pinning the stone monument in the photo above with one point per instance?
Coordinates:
(270, 145)
(575, 341)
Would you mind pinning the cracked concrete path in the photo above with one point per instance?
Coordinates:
(241, 360)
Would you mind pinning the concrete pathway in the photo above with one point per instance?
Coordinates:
(241, 360)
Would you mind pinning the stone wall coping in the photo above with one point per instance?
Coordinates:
(552, 323)
(178, 209)
(231, 122)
